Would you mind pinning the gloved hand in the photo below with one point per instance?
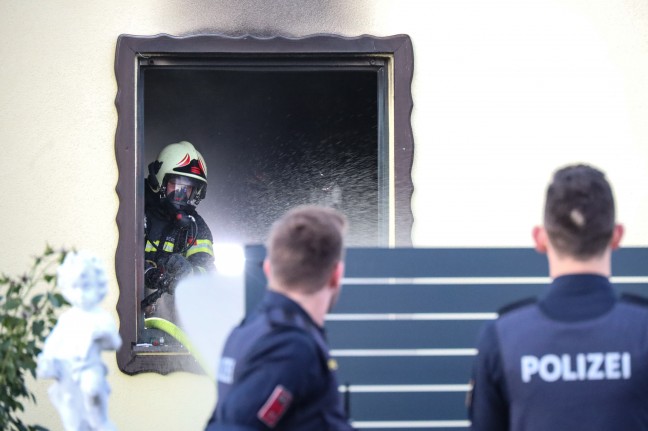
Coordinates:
(155, 278)
(178, 266)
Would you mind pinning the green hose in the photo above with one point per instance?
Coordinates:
(177, 333)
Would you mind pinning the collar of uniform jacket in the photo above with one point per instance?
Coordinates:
(578, 297)
(287, 311)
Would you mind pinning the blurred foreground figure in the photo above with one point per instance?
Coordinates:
(577, 359)
(275, 371)
(72, 352)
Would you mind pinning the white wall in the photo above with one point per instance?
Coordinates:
(504, 92)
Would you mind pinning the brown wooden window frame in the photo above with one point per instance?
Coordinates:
(133, 51)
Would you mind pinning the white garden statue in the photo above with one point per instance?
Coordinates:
(72, 352)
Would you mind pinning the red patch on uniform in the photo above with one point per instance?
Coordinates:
(275, 406)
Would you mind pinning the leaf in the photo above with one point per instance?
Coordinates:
(11, 322)
(61, 300)
(53, 299)
(5, 344)
(31, 346)
(14, 288)
(12, 304)
(37, 299)
(38, 327)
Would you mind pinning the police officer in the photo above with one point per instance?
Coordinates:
(275, 370)
(178, 241)
(578, 357)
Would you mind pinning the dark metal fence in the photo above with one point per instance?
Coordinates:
(405, 328)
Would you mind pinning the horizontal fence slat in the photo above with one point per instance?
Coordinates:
(411, 316)
(416, 298)
(404, 388)
(408, 370)
(403, 334)
(413, 406)
(634, 288)
(461, 298)
(460, 262)
(630, 261)
(369, 353)
(444, 262)
(408, 425)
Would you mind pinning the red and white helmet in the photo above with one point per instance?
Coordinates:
(181, 167)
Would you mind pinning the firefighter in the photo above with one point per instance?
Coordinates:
(178, 242)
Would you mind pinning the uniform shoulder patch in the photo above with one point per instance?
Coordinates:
(634, 299)
(275, 406)
(515, 305)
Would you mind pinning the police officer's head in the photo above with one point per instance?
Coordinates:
(579, 216)
(305, 247)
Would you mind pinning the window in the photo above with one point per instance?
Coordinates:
(280, 122)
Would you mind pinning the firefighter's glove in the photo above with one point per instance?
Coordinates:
(154, 278)
(178, 266)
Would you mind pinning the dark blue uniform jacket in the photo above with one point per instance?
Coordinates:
(575, 360)
(276, 373)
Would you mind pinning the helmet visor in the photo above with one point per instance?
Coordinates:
(181, 190)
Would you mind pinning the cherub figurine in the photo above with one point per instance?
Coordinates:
(72, 352)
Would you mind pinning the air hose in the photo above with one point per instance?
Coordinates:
(177, 333)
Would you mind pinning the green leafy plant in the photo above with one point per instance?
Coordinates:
(28, 305)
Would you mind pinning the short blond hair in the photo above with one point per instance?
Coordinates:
(305, 245)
